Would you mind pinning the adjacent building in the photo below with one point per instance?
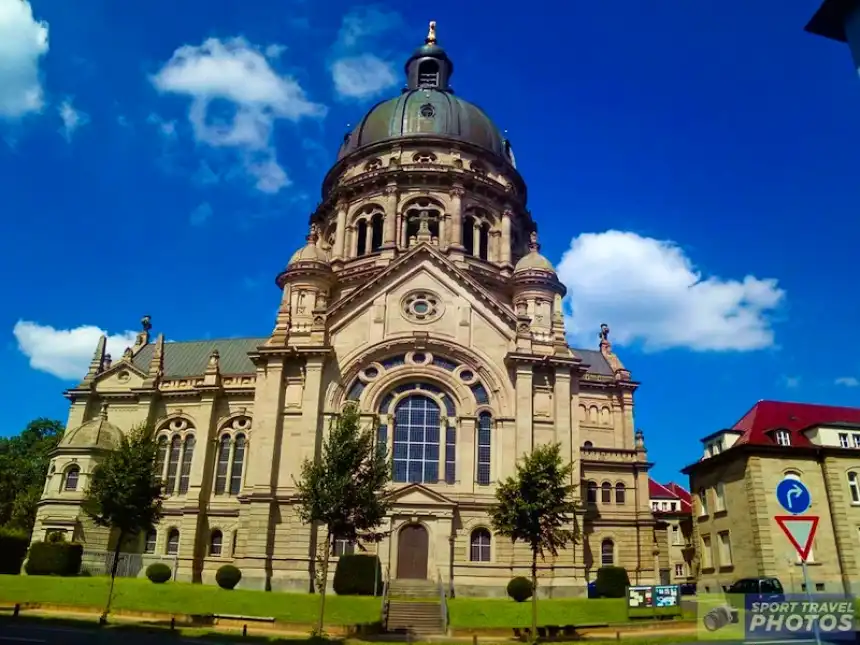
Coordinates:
(839, 20)
(420, 296)
(672, 507)
(734, 497)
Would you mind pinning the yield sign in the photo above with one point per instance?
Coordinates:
(800, 531)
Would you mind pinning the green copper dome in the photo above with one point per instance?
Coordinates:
(428, 107)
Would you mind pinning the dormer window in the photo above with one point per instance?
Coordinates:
(428, 73)
(843, 440)
(783, 437)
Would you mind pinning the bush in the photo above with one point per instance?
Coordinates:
(13, 550)
(54, 559)
(612, 582)
(158, 572)
(355, 574)
(228, 576)
(520, 589)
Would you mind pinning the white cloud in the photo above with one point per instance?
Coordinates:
(238, 74)
(23, 42)
(201, 214)
(649, 292)
(66, 353)
(72, 119)
(847, 381)
(361, 77)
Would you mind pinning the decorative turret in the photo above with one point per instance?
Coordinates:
(538, 294)
(95, 433)
(621, 373)
(429, 65)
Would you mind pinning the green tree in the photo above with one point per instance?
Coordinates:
(536, 507)
(343, 489)
(124, 493)
(24, 461)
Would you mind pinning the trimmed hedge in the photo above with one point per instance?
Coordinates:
(355, 574)
(54, 559)
(13, 550)
(520, 589)
(228, 576)
(611, 582)
(158, 572)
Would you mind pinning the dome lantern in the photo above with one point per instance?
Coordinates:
(429, 66)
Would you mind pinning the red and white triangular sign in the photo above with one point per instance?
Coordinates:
(800, 531)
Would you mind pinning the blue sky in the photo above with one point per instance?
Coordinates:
(692, 167)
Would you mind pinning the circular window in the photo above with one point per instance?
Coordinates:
(422, 306)
(371, 372)
(123, 377)
(467, 375)
(427, 111)
(419, 358)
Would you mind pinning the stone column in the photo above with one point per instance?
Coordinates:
(466, 453)
(505, 257)
(340, 232)
(563, 429)
(311, 413)
(476, 240)
(389, 232)
(525, 412)
(368, 237)
(352, 241)
(268, 426)
(456, 239)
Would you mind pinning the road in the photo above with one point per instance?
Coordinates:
(24, 632)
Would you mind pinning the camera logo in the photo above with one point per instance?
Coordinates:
(720, 617)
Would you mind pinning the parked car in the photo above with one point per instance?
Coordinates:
(762, 590)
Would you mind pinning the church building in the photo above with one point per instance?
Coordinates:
(420, 296)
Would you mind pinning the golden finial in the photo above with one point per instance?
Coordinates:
(431, 33)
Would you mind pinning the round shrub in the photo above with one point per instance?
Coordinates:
(158, 572)
(520, 589)
(612, 582)
(228, 576)
(356, 574)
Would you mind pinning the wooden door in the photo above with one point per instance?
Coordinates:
(412, 550)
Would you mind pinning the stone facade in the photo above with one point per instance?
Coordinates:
(420, 296)
(734, 504)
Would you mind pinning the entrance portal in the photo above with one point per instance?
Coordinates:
(412, 550)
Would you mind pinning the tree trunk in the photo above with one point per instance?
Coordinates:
(113, 568)
(328, 537)
(534, 633)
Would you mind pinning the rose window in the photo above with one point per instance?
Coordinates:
(421, 306)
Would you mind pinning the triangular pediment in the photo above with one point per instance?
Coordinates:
(417, 495)
(424, 258)
(111, 378)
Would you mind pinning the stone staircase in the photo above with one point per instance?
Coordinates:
(414, 607)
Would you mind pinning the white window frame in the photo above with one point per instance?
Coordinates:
(679, 570)
(854, 487)
(843, 440)
(720, 495)
(783, 437)
(703, 502)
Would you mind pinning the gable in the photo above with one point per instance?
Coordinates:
(418, 495)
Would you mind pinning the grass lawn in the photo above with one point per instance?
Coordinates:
(476, 613)
(134, 594)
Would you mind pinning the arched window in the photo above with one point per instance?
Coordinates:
(588, 444)
(173, 465)
(149, 541)
(376, 233)
(620, 493)
(792, 474)
(223, 465)
(469, 234)
(854, 487)
(485, 425)
(172, 547)
(607, 553)
(606, 493)
(187, 457)
(480, 545)
(484, 241)
(450, 454)
(422, 219)
(361, 235)
(72, 475)
(238, 464)
(416, 440)
(591, 493)
(428, 73)
(161, 456)
(216, 541)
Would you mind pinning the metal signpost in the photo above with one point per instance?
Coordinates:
(800, 529)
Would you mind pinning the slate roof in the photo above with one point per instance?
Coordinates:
(189, 358)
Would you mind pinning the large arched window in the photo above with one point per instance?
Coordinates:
(173, 465)
(854, 487)
(72, 476)
(607, 553)
(606, 493)
(591, 492)
(376, 223)
(187, 458)
(479, 544)
(416, 440)
(485, 426)
(223, 465)
(620, 493)
(468, 234)
(216, 543)
(484, 241)
(361, 238)
(172, 546)
(238, 465)
(161, 456)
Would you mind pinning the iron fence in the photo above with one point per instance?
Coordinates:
(130, 565)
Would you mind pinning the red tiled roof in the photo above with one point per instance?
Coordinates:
(670, 491)
(766, 416)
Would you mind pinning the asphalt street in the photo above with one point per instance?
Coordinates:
(27, 632)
